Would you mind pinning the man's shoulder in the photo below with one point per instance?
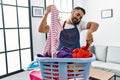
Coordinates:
(82, 22)
(82, 25)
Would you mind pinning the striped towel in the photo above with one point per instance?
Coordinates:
(53, 35)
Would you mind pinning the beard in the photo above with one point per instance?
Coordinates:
(75, 21)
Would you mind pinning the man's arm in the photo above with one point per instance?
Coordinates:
(43, 27)
(92, 27)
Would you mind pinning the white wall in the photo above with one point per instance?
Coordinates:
(78, 3)
(108, 31)
(38, 38)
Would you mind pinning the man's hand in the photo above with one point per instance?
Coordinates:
(48, 9)
(92, 27)
(89, 37)
(43, 27)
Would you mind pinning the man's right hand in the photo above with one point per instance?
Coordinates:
(43, 27)
(48, 9)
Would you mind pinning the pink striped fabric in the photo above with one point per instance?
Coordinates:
(53, 35)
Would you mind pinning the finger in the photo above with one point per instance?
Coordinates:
(89, 41)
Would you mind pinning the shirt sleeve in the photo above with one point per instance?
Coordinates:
(82, 25)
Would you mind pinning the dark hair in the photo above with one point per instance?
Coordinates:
(80, 8)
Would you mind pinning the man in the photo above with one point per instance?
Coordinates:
(70, 35)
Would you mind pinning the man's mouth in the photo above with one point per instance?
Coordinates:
(74, 20)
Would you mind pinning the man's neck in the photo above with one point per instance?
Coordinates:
(68, 21)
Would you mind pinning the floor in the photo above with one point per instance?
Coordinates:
(19, 76)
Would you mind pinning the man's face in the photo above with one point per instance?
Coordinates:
(76, 16)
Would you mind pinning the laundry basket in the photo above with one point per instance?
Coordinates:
(65, 68)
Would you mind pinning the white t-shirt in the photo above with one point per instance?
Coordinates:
(81, 26)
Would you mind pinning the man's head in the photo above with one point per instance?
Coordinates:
(76, 14)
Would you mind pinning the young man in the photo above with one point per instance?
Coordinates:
(70, 35)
